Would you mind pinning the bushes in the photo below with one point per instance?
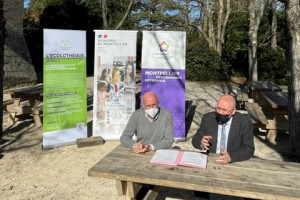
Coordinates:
(204, 64)
(235, 49)
(272, 65)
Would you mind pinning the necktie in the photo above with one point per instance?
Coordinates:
(223, 138)
(116, 88)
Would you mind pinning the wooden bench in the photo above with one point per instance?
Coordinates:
(259, 120)
(256, 115)
(9, 102)
(17, 106)
(242, 98)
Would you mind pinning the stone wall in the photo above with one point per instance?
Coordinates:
(18, 68)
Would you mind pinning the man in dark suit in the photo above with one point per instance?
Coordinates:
(226, 132)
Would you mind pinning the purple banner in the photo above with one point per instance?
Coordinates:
(169, 85)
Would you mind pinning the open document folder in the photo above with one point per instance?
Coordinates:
(177, 157)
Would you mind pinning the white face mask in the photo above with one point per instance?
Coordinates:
(152, 112)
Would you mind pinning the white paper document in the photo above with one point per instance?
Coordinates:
(183, 158)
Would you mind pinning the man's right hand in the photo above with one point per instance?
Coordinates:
(141, 148)
(205, 141)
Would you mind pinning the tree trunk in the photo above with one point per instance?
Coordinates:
(219, 27)
(18, 67)
(293, 24)
(211, 33)
(104, 14)
(215, 34)
(252, 43)
(2, 37)
(274, 25)
(228, 10)
(255, 15)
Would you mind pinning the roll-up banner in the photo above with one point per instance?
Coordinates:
(64, 95)
(163, 72)
(114, 82)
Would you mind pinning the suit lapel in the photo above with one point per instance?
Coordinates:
(214, 134)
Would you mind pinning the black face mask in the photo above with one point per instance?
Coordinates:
(222, 119)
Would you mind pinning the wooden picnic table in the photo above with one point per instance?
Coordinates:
(254, 178)
(256, 87)
(33, 95)
(277, 108)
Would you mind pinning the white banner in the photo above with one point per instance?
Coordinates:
(64, 95)
(114, 82)
(163, 72)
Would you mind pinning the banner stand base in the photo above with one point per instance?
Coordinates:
(179, 139)
(90, 141)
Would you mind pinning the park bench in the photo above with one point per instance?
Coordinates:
(242, 98)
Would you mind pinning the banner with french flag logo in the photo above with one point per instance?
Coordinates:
(163, 72)
(114, 82)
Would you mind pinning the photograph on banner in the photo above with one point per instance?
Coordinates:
(115, 94)
(64, 92)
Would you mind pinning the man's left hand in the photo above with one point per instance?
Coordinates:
(224, 158)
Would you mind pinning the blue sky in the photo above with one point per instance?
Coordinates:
(26, 2)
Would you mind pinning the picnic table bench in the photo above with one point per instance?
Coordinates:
(276, 109)
(272, 106)
(271, 115)
(254, 178)
(242, 98)
(25, 101)
(8, 102)
(256, 115)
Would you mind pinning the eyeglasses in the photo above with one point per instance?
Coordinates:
(224, 110)
(150, 106)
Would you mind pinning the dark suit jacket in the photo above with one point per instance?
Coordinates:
(240, 144)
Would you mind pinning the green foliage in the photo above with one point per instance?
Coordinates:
(235, 49)
(67, 14)
(70, 15)
(204, 64)
(157, 15)
(264, 31)
(272, 65)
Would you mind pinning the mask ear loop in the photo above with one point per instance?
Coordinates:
(157, 113)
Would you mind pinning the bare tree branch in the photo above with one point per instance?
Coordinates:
(125, 15)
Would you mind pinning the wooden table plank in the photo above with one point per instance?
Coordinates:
(254, 178)
(276, 99)
(264, 86)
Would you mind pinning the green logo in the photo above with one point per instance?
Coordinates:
(65, 44)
